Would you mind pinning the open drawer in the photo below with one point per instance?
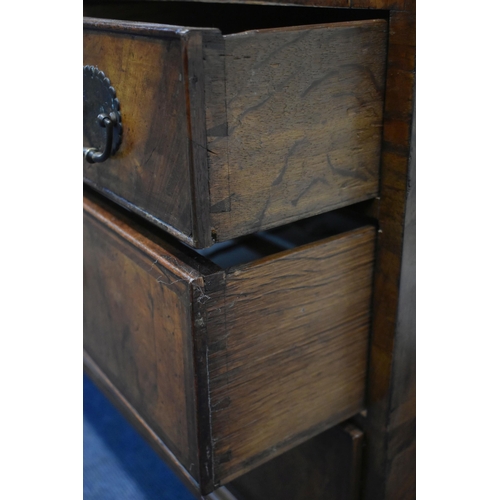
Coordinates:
(227, 359)
(226, 133)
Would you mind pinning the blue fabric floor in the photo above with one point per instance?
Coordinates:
(117, 463)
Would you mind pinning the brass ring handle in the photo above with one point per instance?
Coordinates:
(92, 155)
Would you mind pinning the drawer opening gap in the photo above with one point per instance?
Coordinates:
(250, 248)
(228, 18)
(264, 243)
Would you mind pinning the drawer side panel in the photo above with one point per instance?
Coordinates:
(137, 329)
(293, 358)
(304, 124)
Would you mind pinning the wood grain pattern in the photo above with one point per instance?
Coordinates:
(161, 108)
(303, 132)
(390, 466)
(390, 474)
(195, 95)
(402, 423)
(227, 367)
(291, 360)
(325, 467)
(225, 136)
(141, 345)
(214, 51)
(379, 4)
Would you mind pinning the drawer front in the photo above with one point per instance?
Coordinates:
(227, 367)
(152, 70)
(139, 333)
(226, 135)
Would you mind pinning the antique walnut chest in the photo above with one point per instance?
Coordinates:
(246, 181)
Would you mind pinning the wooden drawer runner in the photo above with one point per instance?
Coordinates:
(230, 358)
(228, 134)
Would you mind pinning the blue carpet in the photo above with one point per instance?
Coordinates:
(117, 463)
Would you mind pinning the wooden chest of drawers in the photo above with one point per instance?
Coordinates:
(255, 118)
(225, 135)
(229, 365)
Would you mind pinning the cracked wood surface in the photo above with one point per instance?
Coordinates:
(304, 117)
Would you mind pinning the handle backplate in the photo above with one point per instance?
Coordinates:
(102, 126)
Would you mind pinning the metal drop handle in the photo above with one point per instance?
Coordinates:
(92, 155)
(101, 110)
